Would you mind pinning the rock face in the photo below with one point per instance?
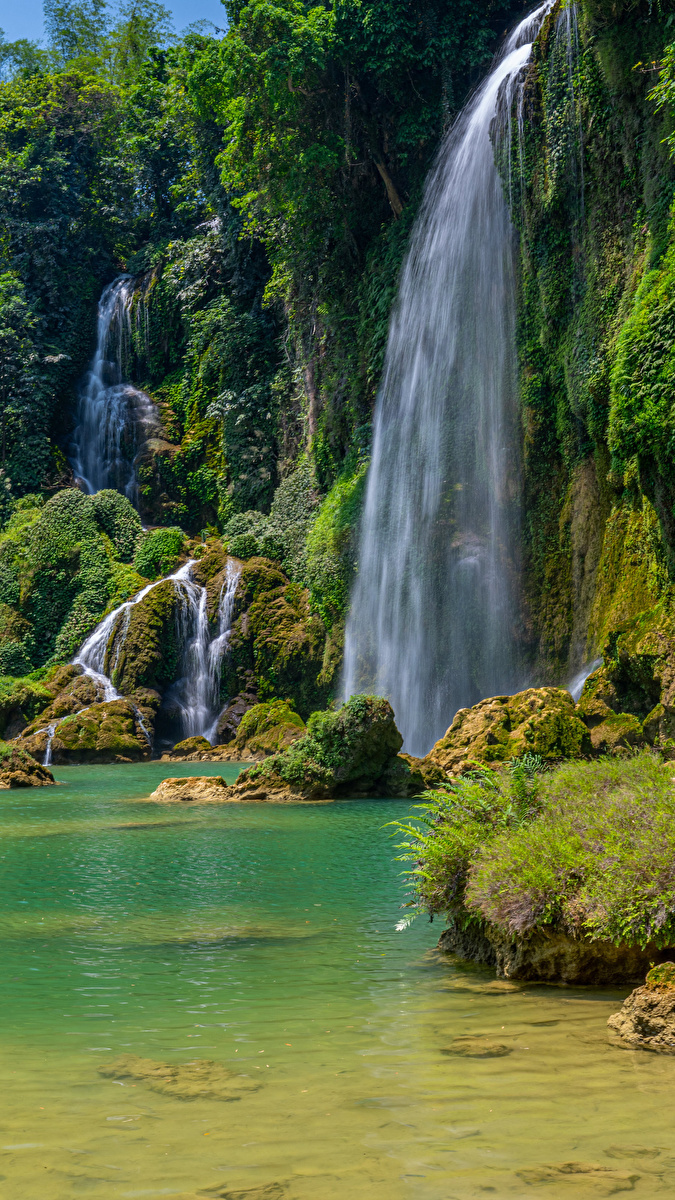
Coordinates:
(195, 789)
(99, 733)
(647, 1018)
(550, 956)
(540, 721)
(20, 770)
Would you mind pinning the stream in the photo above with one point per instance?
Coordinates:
(262, 938)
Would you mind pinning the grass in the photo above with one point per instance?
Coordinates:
(591, 853)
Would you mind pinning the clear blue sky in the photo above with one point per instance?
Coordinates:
(24, 19)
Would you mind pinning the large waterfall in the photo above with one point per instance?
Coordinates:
(435, 609)
(114, 418)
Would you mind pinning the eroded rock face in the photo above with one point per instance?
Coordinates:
(20, 770)
(550, 956)
(98, 733)
(200, 1079)
(647, 1019)
(540, 721)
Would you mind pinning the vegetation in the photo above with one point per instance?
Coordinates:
(586, 849)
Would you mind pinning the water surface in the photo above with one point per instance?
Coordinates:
(262, 938)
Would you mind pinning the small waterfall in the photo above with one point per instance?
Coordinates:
(114, 418)
(51, 730)
(196, 695)
(435, 610)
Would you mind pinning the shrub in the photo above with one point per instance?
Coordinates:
(159, 551)
(119, 519)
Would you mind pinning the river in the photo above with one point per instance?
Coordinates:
(262, 938)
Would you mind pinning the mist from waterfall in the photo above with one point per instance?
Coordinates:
(114, 419)
(435, 611)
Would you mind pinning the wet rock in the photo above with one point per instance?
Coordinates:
(99, 733)
(195, 789)
(603, 1180)
(200, 1079)
(224, 1191)
(476, 1047)
(231, 717)
(539, 721)
(647, 1019)
(549, 956)
(18, 769)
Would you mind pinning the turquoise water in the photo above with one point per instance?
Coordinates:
(262, 938)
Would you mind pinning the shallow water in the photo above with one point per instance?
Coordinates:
(263, 938)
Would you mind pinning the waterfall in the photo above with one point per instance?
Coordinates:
(196, 695)
(114, 419)
(435, 613)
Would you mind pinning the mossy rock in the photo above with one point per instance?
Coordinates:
(661, 978)
(102, 733)
(539, 721)
(343, 752)
(268, 728)
(18, 769)
(148, 654)
(618, 732)
(191, 745)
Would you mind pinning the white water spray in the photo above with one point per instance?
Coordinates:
(115, 419)
(435, 611)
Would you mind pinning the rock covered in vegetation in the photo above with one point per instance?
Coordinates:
(192, 748)
(266, 729)
(342, 753)
(18, 769)
(200, 1079)
(99, 733)
(539, 721)
(647, 1019)
(193, 789)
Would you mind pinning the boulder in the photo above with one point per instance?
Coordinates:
(539, 721)
(100, 733)
(266, 729)
(346, 752)
(231, 716)
(196, 789)
(191, 748)
(647, 1019)
(18, 769)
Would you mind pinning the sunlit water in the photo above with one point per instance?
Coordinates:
(262, 937)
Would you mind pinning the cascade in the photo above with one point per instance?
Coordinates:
(434, 616)
(114, 419)
(196, 694)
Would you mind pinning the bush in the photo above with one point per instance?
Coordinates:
(244, 546)
(588, 849)
(119, 519)
(158, 552)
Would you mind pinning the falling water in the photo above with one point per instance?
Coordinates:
(114, 418)
(435, 609)
(196, 695)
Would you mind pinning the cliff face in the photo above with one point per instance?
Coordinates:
(591, 181)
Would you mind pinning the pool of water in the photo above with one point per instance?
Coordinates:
(262, 938)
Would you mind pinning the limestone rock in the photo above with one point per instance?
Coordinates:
(99, 733)
(604, 1181)
(197, 789)
(476, 1047)
(200, 1079)
(540, 721)
(19, 769)
(188, 749)
(647, 1019)
(549, 956)
(231, 717)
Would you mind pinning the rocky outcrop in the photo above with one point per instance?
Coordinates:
(541, 721)
(231, 717)
(98, 733)
(195, 789)
(647, 1019)
(549, 956)
(19, 769)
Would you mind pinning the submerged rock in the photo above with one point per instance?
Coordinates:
(604, 1181)
(539, 721)
(647, 1019)
(200, 1079)
(476, 1047)
(18, 769)
(549, 956)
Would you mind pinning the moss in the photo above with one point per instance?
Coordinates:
(148, 655)
(661, 978)
(332, 546)
(269, 727)
(159, 552)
